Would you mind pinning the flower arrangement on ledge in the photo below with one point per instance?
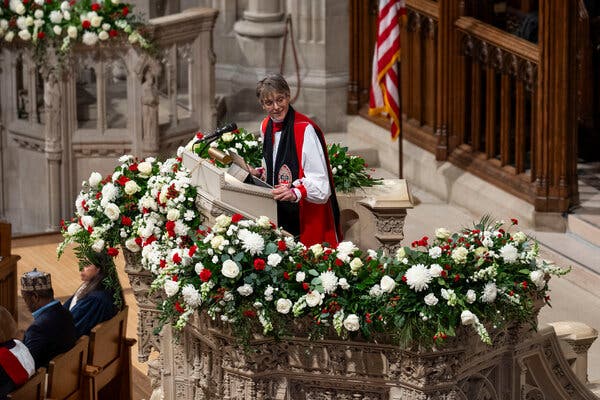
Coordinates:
(44, 22)
(249, 275)
(349, 172)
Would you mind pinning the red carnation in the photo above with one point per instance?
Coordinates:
(514, 221)
(113, 33)
(281, 246)
(138, 241)
(125, 220)
(199, 135)
(86, 24)
(305, 286)
(286, 276)
(95, 7)
(133, 167)
(150, 239)
(235, 218)
(176, 258)
(338, 262)
(205, 275)
(98, 195)
(403, 278)
(170, 225)
(456, 278)
(25, 1)
(41, 35)
(192, 250)
(112, 252)
(125, 11)
(123, 180)
(178, 307)
(259, 264)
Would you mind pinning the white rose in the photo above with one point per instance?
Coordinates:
(20, 9)
(171, 287)
(67, 15)
(198, 268)
(217, 241)
(273, 259)
(430, 299)
(87, 221)
(284, 306)
(355, 265)
(459, 255)
(29, 21)
(468, 318)
(300, 276)
(73, 229)
(471, 296)
(131, 187)
(96, 21)
(223, 220)
(313, 298)
(173, 215)
(435, 270)
(145, 168)
(10, 35)
(25, 35)
(57, 30)
(351, 323)
(442, 233)
(400, 253)
(317, 249)
(3, 24)
(227, 137)
(98, 245)
(538, 277)
(112, 211)
(38, 14)
(106, 26)
(245, 290)
(115, 1)
(230, 269)
(132, 245)
(103, 35)
(263, 222)
(519, 237)
(387, 284)
(64, 6)
(39, 2)
(72, 32)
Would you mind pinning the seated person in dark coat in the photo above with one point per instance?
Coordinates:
(94, 301)
(52, 331)
(16, 363)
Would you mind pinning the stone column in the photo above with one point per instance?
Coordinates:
(53, 147)
(149, 98)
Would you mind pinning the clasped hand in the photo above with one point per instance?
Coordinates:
(284, 192)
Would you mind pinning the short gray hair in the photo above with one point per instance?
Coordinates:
(274, 83)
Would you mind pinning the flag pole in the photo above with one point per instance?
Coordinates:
(400, 157)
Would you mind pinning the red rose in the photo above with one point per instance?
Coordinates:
(25, 1)
(133, 167)
(305, 286)
(113, 33)
(281, 246)
(175, 278)
(95, 7)
(86, 24)
(138, 241)
(125, 220)
(514, 221)
(235, 218)
(338, 262)
(286, 276)
(176, 258)
(403, 278)
(192, 250)
(125, 11)
(456, 278)
(259, 264)
(41, 35)
(150, 239)
(49, 1)
(170, 225)
(112, 252)
(123, 180)
(249, 313)
(205, 275)
(178, 307)
(199, 135)
(98, 195)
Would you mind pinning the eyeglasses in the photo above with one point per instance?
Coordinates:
(280, 100)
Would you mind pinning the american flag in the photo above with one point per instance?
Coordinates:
(384, 97)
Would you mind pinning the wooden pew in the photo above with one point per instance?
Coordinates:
(8, 272)
(33, 389)
(109, 359)
(65, 372)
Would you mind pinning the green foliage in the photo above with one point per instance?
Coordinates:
(349, 172)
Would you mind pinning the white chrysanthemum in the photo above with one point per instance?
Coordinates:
(252, 242)
(489, 292)
(89, 38)
(171, 287)
(418, 277)
(56, 17)
(344, 250)
(109, 193)
(509, 253)
(191, 295)
(329, 281)
(431, 300)
(435, 252)
(274, 259)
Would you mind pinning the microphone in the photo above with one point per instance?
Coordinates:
(218, 133)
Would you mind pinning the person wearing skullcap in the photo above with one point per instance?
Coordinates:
(16, 362)
(52, 331)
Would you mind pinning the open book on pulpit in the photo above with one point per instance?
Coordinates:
(242, 171)
(220, 189)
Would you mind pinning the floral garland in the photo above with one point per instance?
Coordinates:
(45, 22)
(349, 172)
